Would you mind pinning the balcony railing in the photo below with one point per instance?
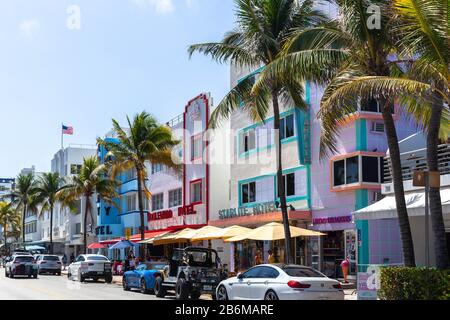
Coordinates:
(417, 160)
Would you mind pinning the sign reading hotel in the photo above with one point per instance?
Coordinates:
(258, 209)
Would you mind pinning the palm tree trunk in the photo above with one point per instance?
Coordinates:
(23, 223)
(51, 228)
(437, 221)
(6, 238)
(397, 179)
(280, 180)
(141, 211)
(86, 212)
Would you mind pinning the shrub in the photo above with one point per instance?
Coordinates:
(398, 283)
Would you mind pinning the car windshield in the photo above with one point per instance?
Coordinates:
(24, 259)
(201, 258)
(155, 266)
(51, 258)
(97, 258)
(302, 272)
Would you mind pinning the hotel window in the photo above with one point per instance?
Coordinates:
(287, 127)
(78, 228)
(248, 192)
(196, 192)
(196, 147)
(157, 167)
(372, 105)
(130, 202)
(75, 168)
(249, 140)
(289, 184)
(175, 198)
(351, 170)
(357, 169)
(158, 202)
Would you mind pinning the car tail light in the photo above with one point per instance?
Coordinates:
(298, 285)
(337, 286)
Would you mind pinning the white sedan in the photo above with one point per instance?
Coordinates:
(90, 266)
(280, 282)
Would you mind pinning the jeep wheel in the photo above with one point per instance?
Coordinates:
(160, 291)
(109, 279)
(125, 284)
(144, 289)
(195, 295)
(182, 289)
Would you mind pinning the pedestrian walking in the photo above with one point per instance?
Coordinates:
(258, 258)
(271, 257)
(64, 261)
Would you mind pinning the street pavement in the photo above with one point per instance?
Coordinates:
(49, 287)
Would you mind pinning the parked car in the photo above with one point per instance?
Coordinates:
(90, 266)
(143, 277)
(280, 282)
(191, 272)
(48, 264)
(21, 265)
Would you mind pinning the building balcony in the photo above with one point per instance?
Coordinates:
(356, 170)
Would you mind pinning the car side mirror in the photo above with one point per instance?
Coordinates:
(240, 276)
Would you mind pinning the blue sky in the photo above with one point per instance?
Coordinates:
(128, 56)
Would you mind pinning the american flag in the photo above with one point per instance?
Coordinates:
(67, 130)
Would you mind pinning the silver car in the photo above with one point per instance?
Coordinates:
(48, 263)
(90, 266)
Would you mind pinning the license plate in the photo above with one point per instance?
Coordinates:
(99, 272)
(207, 288)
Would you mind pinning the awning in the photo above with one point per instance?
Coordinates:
(135, 238)
(274, 231)
(96, 246)
(415, 204)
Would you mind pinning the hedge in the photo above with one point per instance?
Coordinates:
(399, 283)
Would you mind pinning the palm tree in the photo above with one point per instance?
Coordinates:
(422, 35)
(90, 181)
(9, 219)
(345, 51)
(24, 196)
(48, 186)
(144, 141)
(263, 29)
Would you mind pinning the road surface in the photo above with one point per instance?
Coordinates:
(49, 287)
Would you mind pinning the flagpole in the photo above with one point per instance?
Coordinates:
(62, 137)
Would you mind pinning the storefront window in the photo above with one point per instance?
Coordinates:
(333, 253)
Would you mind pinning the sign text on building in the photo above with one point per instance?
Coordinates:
(257, 209)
